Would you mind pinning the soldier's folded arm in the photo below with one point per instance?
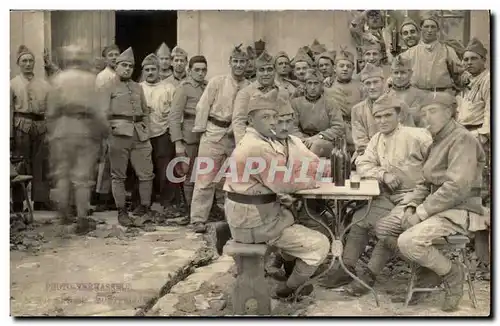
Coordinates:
(417, 196)
(175, 116)
(240, 114)
(460, 176)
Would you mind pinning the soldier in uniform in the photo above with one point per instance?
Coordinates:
(326, 63)
(445, 201)
(300, 63)
(372, 53)
(363, 123)
(165, 59)
(263, 84)
(283, 69)
(110, 53)
(77, 124)
(317, 49)
(250, 71)
(158, 96)
(475, 100)
(255, 213)
(129, 139)
(28, 103)
(394, 156)
(103, 186)
(179, 62)
(345, 87)
(434, 64)
(409, 32)
(317, 118)
(182, 115)
(214, 112)
(400, 87)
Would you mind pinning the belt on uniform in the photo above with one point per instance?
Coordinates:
(219, 123)
(473, 127)
(188, 115)
(134, 118)
(474, 192)
(252, 199)
(310, 133)
(32, 116)
(435, 89)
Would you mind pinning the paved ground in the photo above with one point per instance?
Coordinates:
(112, 272)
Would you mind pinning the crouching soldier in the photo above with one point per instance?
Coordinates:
(77, 124)
(446, 201)
(257, 206)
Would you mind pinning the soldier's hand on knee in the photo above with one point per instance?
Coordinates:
(409, 220)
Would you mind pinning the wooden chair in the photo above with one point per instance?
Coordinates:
(453, 242)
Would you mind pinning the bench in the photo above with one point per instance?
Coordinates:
(452, 242)
(251, 294)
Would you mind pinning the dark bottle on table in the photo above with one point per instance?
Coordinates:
(347, 159)
(338, 164)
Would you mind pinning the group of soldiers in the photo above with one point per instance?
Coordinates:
(419, 123)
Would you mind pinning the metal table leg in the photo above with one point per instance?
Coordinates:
(342, 261)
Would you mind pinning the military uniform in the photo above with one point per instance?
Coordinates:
(433, 65)
(77, 124)
(318, 117)
(301, 56)
(214, 112)
(407, 94)
(28, 101)
(129, 140)
(350, 92)
(271, 222)
(159, 98)
(181, 119)
(363, 123)
(401, 153)
(447, 201)
(103, 186)
(174, 79)
(240, 111)
(163, 50)
(474, 105)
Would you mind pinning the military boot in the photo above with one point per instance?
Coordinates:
(199, 227)
(357, 289)
(123, 217)
(337, 278)
(84, 225)
(300, 275)
(454, 287)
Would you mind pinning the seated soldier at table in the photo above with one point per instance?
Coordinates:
(394, 156)
(446, 200)
(284, 125)
(318, 119)
(363, 123)
(255, 213)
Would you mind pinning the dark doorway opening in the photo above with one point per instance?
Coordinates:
(144, 31)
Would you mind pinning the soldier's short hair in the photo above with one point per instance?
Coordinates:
(197, 59)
